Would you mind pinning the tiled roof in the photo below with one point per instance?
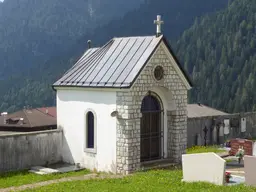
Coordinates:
(31, 118)
(199, 110)
(48, 110)
(115, 65)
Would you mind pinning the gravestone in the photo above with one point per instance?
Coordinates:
(199, 167)
(246, 144)
(243, 125)
(199, 140)
(214, 132)
(221, 134)
(254, 149)
(250, 170)
(226, 128)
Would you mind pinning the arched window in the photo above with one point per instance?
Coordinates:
(90, 130)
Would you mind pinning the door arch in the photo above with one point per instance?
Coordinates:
(151, 128)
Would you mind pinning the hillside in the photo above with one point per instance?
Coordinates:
(220, 53)
(40, 44)
(33, 31)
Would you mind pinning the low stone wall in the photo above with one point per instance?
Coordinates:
(23, 150)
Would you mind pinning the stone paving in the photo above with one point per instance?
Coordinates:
(236, 180)
(237, 173)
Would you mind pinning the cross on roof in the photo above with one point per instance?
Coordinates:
(158, 23)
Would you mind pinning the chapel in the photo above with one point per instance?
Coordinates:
(124, 105)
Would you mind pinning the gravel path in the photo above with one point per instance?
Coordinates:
(44, 183)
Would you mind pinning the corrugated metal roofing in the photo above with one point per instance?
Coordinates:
(115, 65)
(196, 110)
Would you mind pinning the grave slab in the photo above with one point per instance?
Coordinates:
(198, 167)
(246, 144)
(236, 180)
(59, 168)
(250, 170)
(254, 149)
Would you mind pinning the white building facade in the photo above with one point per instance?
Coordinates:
(73, 119)
(123, 105)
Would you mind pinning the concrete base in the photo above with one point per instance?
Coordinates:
(57, 169)
(158, 164)
(236, 180)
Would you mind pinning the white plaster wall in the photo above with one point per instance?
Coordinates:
(72, 106)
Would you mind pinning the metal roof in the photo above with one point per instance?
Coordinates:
(199, 110)
(115, 65)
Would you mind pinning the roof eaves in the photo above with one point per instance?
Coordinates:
(30, 125)
(58, 84)
(88, 86)
(47, 114)
(178, 62)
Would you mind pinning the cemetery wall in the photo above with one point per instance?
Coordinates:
(196, 126)
(22, 151)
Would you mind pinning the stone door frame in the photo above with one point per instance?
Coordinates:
(161, 126)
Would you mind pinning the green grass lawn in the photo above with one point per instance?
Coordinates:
(203, 149)
(24, 177)
(152, 181)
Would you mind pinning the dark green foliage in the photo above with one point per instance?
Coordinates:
(220, 52)
(42, 39)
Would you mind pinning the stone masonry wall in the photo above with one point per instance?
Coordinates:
(129, 105)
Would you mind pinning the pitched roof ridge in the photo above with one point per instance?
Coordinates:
(101, 52)
(80, 59)
(103, 64)
(140, 56)
(149, 57)
(88, 51)
(24, 111)
(47, 114)
(214, 109)
(207, 107)
(136, 36)
(122, 61)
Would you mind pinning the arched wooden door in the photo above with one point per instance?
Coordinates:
(151, 132)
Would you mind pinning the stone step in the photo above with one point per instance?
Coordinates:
(37, 172)
(241, 172)
(44, 170)
(159, 166)
(68, 169)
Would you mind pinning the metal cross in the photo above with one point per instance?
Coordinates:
(158, 23)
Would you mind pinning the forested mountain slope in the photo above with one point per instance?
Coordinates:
(220, 53)
(40, 44)
(32, 31)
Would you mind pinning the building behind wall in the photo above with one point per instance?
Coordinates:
(201, 117)
(28, 120)
(128, 105)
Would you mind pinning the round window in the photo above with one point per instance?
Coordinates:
(159, 73)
